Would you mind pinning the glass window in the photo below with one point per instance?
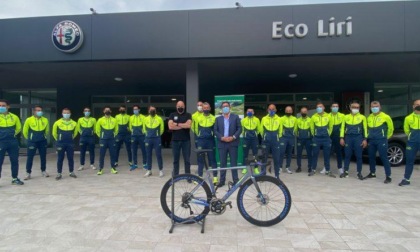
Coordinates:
(165, 98)
(324, 97)
(280, 98)
(390, 94)
(415, 92)
(16, 96)
(256, 98)
(137, 100)
(108, 99)
(45, 97)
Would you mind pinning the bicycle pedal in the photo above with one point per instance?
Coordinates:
(229, 203)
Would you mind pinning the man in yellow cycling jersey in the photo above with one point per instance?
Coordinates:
(86, 129)
(304, 138)
(153, 128)
(287, 139)
(123, 135)
(106, 129)
(250, 125)
(337, 120)
(380, 129)
(412, 130)
(36, 130)
(137, 137)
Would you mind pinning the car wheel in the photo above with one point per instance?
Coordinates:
(396, 154)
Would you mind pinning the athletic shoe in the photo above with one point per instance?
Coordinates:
(344, 174)
(161, 173)
(311, 173)
(360, 176)
(323, 171)
(114, 171)
(148, 173)
(100, 172)
(27, 177)
(133, 167)
(116, 164)
(93, 167)
(130, 163)
(145, 166)
(288, 170)
(81, 168)
(298, 170)
(45, 174)
(58, 177)
(215, 181)
(370, 175)
(244, 171)
(256, 171)
(388, 180)
(16, 181)
(72, 175)
(404, 182)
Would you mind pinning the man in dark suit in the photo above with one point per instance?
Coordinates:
(227, 130)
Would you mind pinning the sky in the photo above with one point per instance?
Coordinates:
(36, 8)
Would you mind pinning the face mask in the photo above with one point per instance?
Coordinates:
(152, 112)
(122, 111)
(319, 110)
(303, 115)
(200, 108)
(249, 114)
(107, 112)
(288, 114)
(180, 110)
(87, 113)
(417, 108)
(136, 111)
(206, 112)
(3, 110)
(334, 110)
(271, 112)
(39, 113)
(226, 110)
(374, 110)
(66, 116)
(354, 111)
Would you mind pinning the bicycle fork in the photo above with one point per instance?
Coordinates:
(260, 195)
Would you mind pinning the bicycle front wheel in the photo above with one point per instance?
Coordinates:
(265, 209)
(189, 190)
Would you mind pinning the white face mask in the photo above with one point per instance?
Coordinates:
(200, 108)
(354, 111)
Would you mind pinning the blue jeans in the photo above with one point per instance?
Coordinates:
(301, 144)
(206, 144)
(380, 145)
(105, 144)
(154, 143)
(87, 143)
(119, 140)
(353, 144)
(42, 149)
(286, 148)
(137, 141)
(12, 148)
(62, 150)
(250, 144)
(317, 143)
(410, 152)
(185, 146)
(338, 149)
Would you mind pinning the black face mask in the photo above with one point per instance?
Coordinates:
(417, 108)
(180, 110)
(288, 114)
(107, 112)
(304, 115)
(152, 112)
(122, 111)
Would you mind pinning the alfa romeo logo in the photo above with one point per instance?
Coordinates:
(67, 36)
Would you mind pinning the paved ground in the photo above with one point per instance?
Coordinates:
(122, 213)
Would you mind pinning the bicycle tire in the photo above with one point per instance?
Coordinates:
(248, 194)
(185, 182)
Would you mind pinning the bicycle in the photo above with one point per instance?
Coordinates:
(262, 200)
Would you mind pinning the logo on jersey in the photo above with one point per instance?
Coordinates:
(67, 36)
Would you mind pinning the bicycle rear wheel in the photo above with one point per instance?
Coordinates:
(267, 209)
(184, 209)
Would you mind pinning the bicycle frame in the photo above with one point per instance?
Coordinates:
(242, 180)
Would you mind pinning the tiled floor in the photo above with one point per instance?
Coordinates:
(122, 213)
